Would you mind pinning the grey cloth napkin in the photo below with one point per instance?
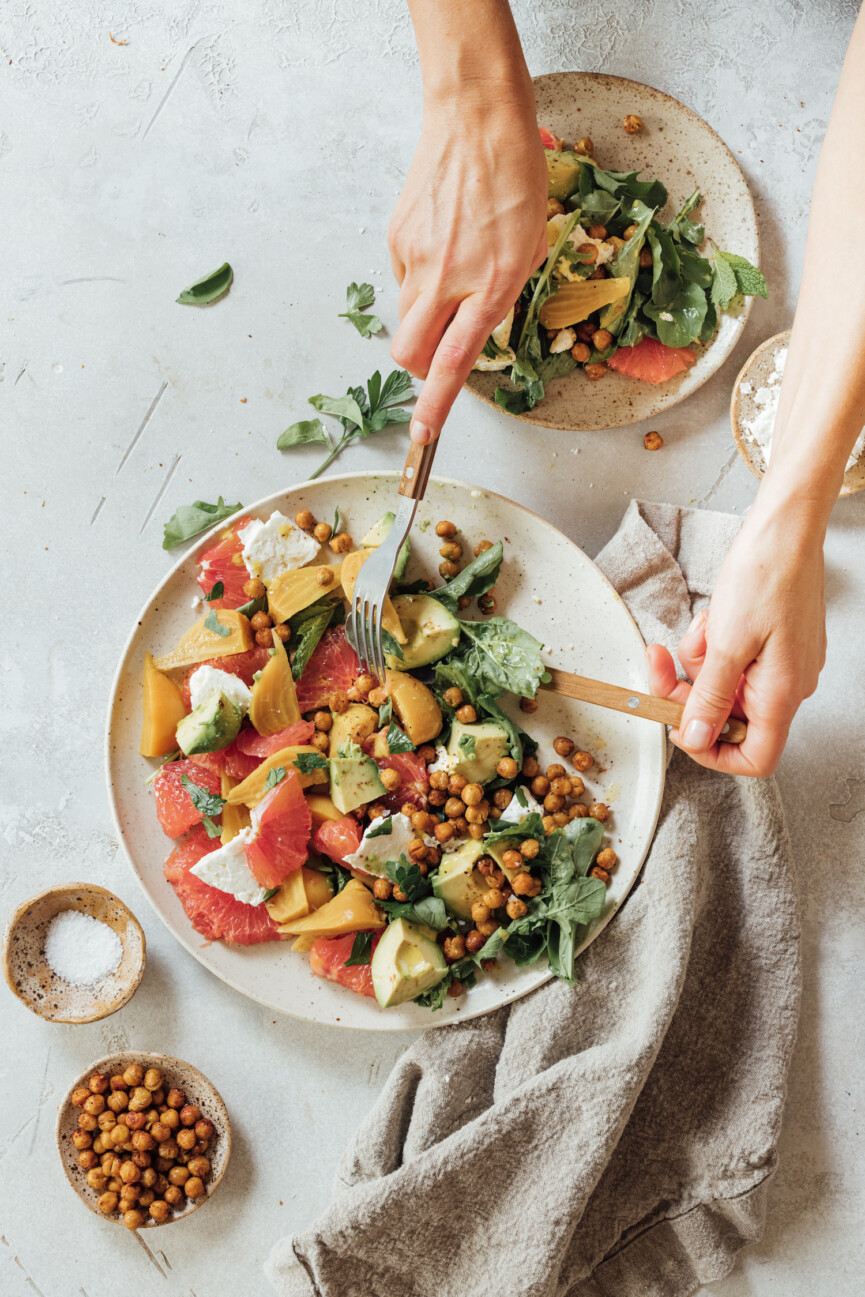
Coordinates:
(614, 1140)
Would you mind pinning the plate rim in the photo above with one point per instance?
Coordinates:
(740, 320)
(509, 996)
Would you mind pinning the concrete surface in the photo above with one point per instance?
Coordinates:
(277, 135)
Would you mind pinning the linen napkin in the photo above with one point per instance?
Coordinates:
(612, 1140)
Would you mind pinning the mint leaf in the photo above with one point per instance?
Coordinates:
(213, 623)
(274, 777)
(306, 762)
(204, 801)
(217, 590)
(212, 830)
(398, 740)
(254, 606)
(383, 829)
(390, 645)
(300, 434)
(361, 950)
(749, 279)
(209, 289)
(190, 519)
(358, 297)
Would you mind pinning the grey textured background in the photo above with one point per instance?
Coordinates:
(277, 135)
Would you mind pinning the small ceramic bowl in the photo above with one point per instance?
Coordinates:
(178, 1075)
(754, 374)
(33, 979)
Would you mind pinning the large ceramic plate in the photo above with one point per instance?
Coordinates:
(549, 586)
(685, 154)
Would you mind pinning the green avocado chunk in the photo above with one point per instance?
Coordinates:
(211, 726)
(563, 174)
(477, 749)
(405, 964)
(353, 782)
(457, 882)
(377, 534)
(430, 631)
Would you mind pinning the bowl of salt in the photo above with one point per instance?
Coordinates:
(74, 953)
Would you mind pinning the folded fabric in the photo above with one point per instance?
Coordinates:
(612, 1140)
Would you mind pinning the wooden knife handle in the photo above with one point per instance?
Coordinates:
(418, 464)
(632, 702)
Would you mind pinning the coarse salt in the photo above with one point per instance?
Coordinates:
(80, 949)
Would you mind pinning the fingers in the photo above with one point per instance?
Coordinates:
(712, 697)
(420, 332)
(459, 348)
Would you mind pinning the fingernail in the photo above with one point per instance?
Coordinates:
(697, 622)
(697, 736)
(420, 433)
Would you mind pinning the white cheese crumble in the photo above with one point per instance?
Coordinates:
(563, 341)
(276, 546)
(209, 682)
(500, 335)
(374, 852)
(227, 870)
(578, 236)
(514, 813)
(443, 761)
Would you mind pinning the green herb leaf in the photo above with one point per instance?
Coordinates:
(476, 578)
(680, 324)
(300, 434)
(398, 740)
(274, 777)
(212, 830)
(363, 413)
(749, 279)
(344, 407)
(361, 950)
(336, 522)
(307, 628)
(520, 794)
(724, 285)
(335, 874)
(358, 298)
(429, 910)
(271, 892)
(306, 762)
(213, 623)
(467, 745)
(217, 590)
(521, 744)
(209, 289)
(435, 997)
(254, 606)
(190, 519)
(408, 879)
(501, 657)
(204, 801)
(390, 645)
(383, 828)
(385, 712)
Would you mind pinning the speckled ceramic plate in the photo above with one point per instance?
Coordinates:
(753, 376)
(683, 152)
(547, 585)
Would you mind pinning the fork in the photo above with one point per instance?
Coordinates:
(363, 625)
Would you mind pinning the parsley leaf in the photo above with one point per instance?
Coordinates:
(299, 434)
(190, 519)
(361, 950)
(408, 879)
(204, 801)
(390, 645)
(212, 830)
(398, 740)
(358, 297)
(383, 829)
(274, 777)
(271, 891)
(306, 762)
(217, 590)
(213, 623)
(335, 875)
(209, 289)
(362, 413)
(307, 628)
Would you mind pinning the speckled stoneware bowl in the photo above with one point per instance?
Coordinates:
(754, 374)
(33, 979)
(179, 1075)
(548, 586)
(682, 151)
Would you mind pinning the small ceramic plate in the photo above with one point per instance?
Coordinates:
(178, 1075)
(548, 586)
(33, 979)
(684, 153)
(754, 375)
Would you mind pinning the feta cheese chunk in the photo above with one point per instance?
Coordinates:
(276, 546)
(227, 870)
(500, 335)
(444, 761)
(374, 852)
(563, 341)
(208, 682)
(606, 251)
(513, 812)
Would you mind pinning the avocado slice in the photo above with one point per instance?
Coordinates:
(563, 174)
(211, 726)
(376, 535)
(405, 964)
(353, 725)
(477, 749)
(458, 883)
(353, 782)
(430, 631)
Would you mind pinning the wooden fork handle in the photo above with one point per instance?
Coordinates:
(632, 702)
(418, 464)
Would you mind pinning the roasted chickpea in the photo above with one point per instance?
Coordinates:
(488, 927)
(134, 1074)
(599, 811)
(282, 632)
(516, 908)
(561, 786)
(598, 232)
(477, 831)
(149, 1177)
(581, 352)
(553, 802)
(452, 549)
(86, 1121)
(133, 1219)
(454, 947)
(390, 779)
(305, 520)
(645, 258)
(178, 1175)
(437, 797)
(528, 704)
(173, 1195)
(554, 208)
(585, 147)
(438, 780)
(322, 531)
(480, 912)
(426, 752)
(587, 252)
(482, 547)
(492, 899)
(320, 742)
(556, 771)
(423, 822)
(170, 1116)
(512, 860)
(456, 989)
(463, 602)
(381, 890)
(143, 1141)
(194, 1187)
(477, 814)
(99, 1145)
(447, 569)
(653, 441)
(453, 696)
(502, 798)
(594, 372)
(365, 682)
(253, 589)
(417, 850)
(117, 1100)
(159, 1210)
(602, 339)
(529, 849)
(444, 831)
(607, 859)
(522, 884)
(597, 872)
(377, 697)
(456, 784)
(474, 940)
(342, 543)
(507, 768)
(107, 1202)
(540, 786)
(434, 856)
(169, 1148)
(549, 824)
(129, 1172)
(97, 1083)
(325, 577)
(585, 330)
(94, 1104)
(135, 1120)
(140, 1099)
(633, 124)
(445, 529)
(97, 1179)
(145, 1198)
(80, 1095)
(408, 810)
(199, 1166)
(118, 1136)
(561, 818)
(461, 826)
(258, 621)
(630, 231)
(487, 603)
(82, 1139)
(106, 1120)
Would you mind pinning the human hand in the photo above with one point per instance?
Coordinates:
(467, 231)
(758, 649)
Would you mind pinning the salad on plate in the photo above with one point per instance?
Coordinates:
(402, 835)
(620, 290)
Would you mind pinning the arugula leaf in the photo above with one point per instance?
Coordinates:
(209, 289)
(274, 777)
(213, 623)
(390, 645)
(307, 628)
(584, 837)
(502, 657)
(681, 228)
(204, 801)
(475, 579)
(383, 829)
(217, 590)
(398, 740)
(361, 950)
(190, 519)
(626, 265)
(408, 879)
(271, 891)
(299, 434)
(429, 910)
(598, 207)
(695, 269)
(624, 184)
(531, 827)
(306, 762)
(452, 672)
(435, 997)
(358, 297)
(666, 267)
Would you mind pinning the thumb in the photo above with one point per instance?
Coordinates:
(711, 699)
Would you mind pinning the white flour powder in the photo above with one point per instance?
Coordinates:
(80, 949)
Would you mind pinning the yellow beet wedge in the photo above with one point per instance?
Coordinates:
(163, 711)
(415, 706)
(303, 891)
(575, 301)
(273, 705)
(321, 808)
(351, 565)
(252, 789)
(352, 910)
(293, 591)
(202, 642)
(234, 818)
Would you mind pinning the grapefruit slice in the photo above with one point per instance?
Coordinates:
(215, 914)
(243, 665)
(228, 761)
(414, 784)
(327, 958)
(548, 139)
(333, 667)
(223, 562)
(174, 807)
(261, 746)
(281, 822)
(337, 839)
(650, 361)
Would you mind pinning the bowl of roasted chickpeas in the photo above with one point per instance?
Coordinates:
(144, 1138)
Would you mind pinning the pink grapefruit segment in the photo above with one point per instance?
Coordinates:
(282, 823)
(332, 668)
(548, 139)
(174, 807)
(327, 958)
(414, 785)
(223, 562)
(650, 361)
(337, 839)
(261, 746)
(214, 914)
